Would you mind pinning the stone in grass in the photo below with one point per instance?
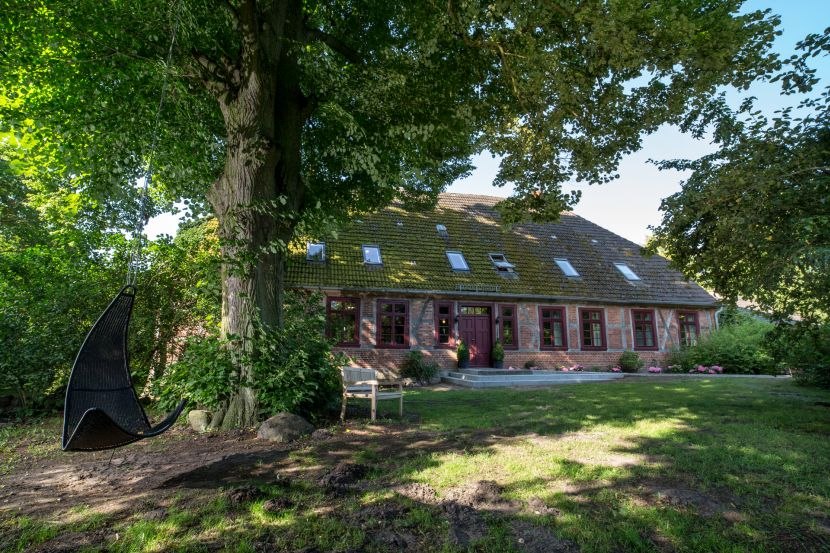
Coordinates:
(343, 475)
(284, 427)
(199, 419)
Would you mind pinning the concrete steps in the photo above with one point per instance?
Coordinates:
(494, 378)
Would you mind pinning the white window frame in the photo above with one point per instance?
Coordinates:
(367, 259)
(627, 271)
(465, 268)
(312, 257)
(566, 267)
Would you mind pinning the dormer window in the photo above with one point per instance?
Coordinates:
(371, 255)
(457, 261)
(315, 251)
(626, 271)
(566, 267)
(501, 263)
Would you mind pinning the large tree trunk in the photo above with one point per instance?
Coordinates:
(256, 195)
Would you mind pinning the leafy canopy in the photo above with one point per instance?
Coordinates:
(398, 96)
(753, 219)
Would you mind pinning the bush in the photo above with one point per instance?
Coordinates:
(630, 362)
(462, 352)
(203, 375)
(415, 367)
(498, 351)
(531, 363)
(805, 350)
(738, 347)
(295, 368)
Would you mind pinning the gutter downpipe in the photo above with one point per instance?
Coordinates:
(717, 316)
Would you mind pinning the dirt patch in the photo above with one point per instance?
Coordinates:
(244, 494)
(416, 491)
(705, 504)
(69, 542)
(482, 495)
(466, 525)
(343, 476)
(537, 506)
(533, 538)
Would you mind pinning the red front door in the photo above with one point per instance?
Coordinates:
(474, 327)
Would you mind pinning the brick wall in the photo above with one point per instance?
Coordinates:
(618, 327)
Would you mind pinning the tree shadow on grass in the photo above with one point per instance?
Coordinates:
(735, 469)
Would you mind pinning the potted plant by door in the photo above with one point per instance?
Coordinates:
(498, 355)
(463, 354)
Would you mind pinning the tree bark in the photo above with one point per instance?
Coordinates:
(259, 190)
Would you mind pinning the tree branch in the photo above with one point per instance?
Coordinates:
(335, 44)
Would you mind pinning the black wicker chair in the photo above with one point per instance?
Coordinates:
(102, 409)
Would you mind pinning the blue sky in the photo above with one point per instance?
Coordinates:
(628, 205)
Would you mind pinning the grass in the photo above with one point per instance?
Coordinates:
(644, 465)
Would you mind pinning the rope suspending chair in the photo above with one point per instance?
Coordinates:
(101, 410)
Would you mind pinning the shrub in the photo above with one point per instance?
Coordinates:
(203, 375)
(630, 362)
(739, 348)
(417, 368)
(462, 352)
(805, 350)
(531, 364)
(295, 368)
(498, 351)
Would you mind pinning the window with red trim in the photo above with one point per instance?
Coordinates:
(393, 324)
(508, 330)
(342, 320)
(687, 327)
(444, 321)
(553, 332)
(645, 330)
(592, 324)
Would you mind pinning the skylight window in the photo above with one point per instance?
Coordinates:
(442, 231)
(315, 251)
(371, 255)
(566, 267)
(626, 271)
(501, 263)
(457, 261)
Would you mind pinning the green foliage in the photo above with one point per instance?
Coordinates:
(462, 351)
(498, 351)
(738, 347)
(805, 350)
(531, 363)
(752, 220)
(417, 368)
(204, 375)
(294, 368)
(630, 361)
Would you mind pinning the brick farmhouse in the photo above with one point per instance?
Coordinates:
(561, 293)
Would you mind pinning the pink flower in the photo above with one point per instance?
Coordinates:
(712, 371)
(655, 370)
(717, 368)
(616, 369)
(702, 369)
(565, 369)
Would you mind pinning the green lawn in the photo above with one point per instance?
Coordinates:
(704, 465)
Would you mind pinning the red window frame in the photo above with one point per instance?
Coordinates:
(356, 334)
(379, 316)
(584, 315)
(683, 325)
(451, 343)
(515, 325)
(635, 323)
(563, 320)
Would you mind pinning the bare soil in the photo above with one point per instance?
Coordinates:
(143, 478)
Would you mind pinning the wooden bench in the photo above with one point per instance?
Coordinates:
(365, 384)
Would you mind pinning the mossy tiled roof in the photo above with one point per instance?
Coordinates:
(414, 257)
